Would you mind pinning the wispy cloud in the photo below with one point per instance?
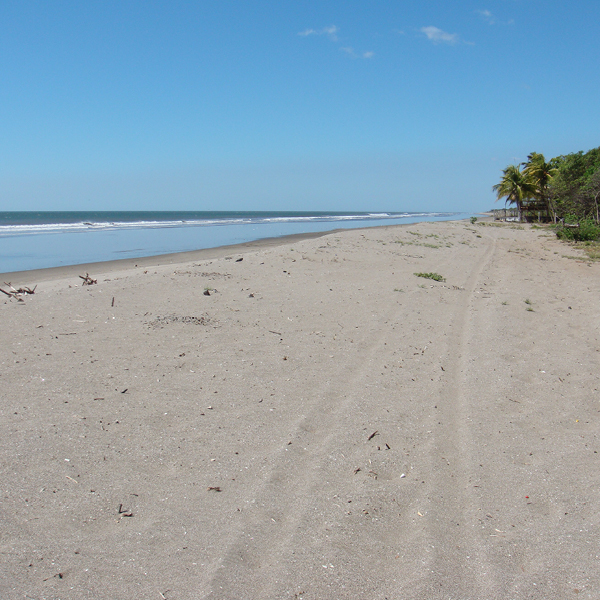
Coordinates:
(437, 36)
(486, 15)
(350, 52)
(330, 31)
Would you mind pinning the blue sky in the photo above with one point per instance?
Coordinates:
(274, 104)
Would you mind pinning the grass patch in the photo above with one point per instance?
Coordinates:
(434, 276)
(593, 251)
(590, 248)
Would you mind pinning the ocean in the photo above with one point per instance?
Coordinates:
(37, 240)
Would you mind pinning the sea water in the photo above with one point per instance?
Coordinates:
(36, 240)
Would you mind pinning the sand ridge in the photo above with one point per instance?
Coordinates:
(312, 421)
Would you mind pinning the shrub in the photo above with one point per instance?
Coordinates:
(586, 231)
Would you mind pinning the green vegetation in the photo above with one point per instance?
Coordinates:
(434, 276)
(564, 190)
(473, 220)
(515, 187)
(586, 230)
(575, 190)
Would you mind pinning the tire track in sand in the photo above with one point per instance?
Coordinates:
(256, 555)
(258, 551)
(460, 564)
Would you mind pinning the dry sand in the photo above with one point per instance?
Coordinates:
(323, 425)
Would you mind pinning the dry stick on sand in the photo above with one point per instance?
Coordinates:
(17, 293)
(87, 280)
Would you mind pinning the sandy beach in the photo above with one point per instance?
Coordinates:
(306, 420)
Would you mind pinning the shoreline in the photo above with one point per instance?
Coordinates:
(157, 260)
(154, 260)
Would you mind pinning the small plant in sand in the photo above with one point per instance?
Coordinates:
(434, 276)
(473, 220)
(529, 305)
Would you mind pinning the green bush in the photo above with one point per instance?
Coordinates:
(587, 231)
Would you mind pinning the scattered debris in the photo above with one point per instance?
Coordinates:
(160, 322)
(214, 488)
(17, 293)
(239, 260)
(372, 436)
(87, 280)
(124, 513)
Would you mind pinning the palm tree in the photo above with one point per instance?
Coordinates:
(515, 186)
(540, 173)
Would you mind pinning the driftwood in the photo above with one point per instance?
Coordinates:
(87, 280)
(17, 293)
